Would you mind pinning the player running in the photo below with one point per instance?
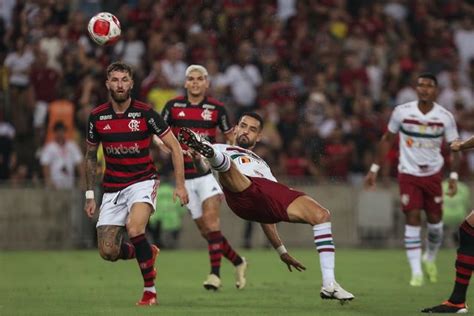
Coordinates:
(124, 127)
(204, 115)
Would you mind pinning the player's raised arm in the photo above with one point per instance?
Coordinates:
(178, 164)
(382, 149)
(271, 232)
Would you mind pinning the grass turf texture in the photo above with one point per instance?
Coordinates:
(80, 283)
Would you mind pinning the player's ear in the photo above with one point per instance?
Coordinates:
(207, 83)
(107, 83)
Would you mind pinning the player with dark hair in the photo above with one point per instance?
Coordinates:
(464, 259)
(125, 128)
(204, 115)
(253, 194)
(422, 125)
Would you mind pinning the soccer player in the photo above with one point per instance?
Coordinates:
(125, 127)
(421, 126)
(464, 259)
(253, 194)
(203, 115)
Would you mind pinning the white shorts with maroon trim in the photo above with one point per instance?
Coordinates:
(117, 205)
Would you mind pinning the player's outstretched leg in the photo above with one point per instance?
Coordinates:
(464, 267)
(306, 210)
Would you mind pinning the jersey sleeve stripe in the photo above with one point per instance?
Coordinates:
(165, 132)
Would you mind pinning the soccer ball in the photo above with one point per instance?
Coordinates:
(104, 28)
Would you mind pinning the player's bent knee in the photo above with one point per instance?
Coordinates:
(109, 253)
(324, 216)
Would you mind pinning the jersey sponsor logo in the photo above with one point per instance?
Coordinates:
(209, 106)
(105, 117)
(244, 160)
(153, 125)
(181, 114)
(179, 105)
(134, 125)
(134, 115)
(107, 128)
(206, 115)
(426, 144)
(91, 131)
(225, 124)
(122, 150)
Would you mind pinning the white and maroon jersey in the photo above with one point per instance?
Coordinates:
(421, 137)
(203, 118)
(126, 142)
(247, 161)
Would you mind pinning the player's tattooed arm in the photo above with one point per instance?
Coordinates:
(91, 166)
(109, 239)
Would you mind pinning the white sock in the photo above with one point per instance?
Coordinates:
(434, 239)
(220, 162)
(325, 246)
(413, 248)
(149, 289)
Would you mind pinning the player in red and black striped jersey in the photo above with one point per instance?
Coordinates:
(204, 115)
(125, 128)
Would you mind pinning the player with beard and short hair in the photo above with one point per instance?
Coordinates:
(125, 128)
(252, 193)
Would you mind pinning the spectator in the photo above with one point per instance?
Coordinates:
(61, 159)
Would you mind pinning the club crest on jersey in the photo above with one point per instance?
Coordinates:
(206, 115)
(134, 115)
(134, 125)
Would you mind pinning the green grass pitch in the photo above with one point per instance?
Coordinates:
(80, 283)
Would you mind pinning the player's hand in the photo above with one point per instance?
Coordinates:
(90, 207)
(456, 145)
(193, 154)
(181, 193)
(452, 187)
(292, 262)
(370, 180)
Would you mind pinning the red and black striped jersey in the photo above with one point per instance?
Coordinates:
(126, 140)
(203, 118)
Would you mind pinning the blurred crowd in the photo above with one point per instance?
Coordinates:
(324, 74)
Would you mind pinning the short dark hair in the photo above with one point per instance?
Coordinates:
(428, 75)
(255, 115)
(59, 126)
(120, 66)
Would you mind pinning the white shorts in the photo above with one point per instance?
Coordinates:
(199, 190)
(116, 206)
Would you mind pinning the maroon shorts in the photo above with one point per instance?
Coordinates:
(264, 201)
(421, 193)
